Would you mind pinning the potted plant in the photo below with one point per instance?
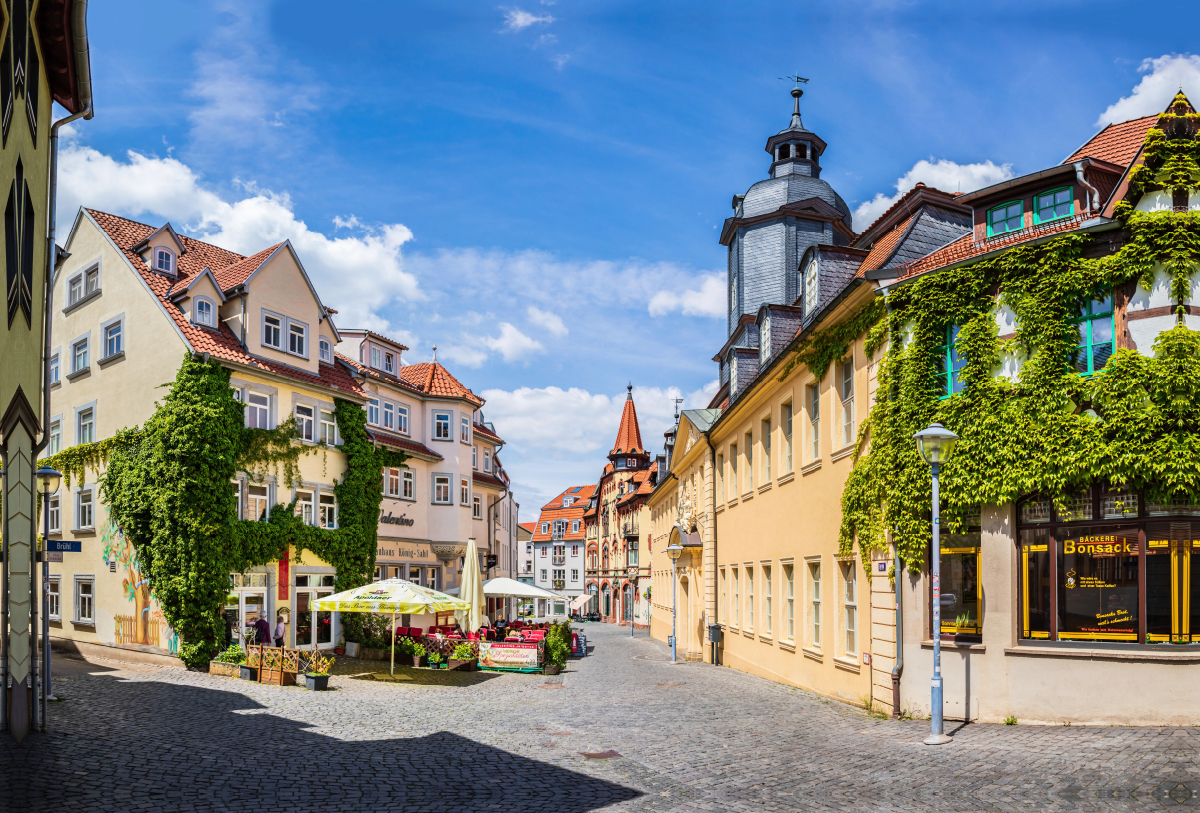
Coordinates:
(558, 647)
(229, 663)
(340, 649)
(435, 660)
(410, 651)
(463, 658)
(316, 674)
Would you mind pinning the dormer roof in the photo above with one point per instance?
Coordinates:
(170, 230)
(432, 378)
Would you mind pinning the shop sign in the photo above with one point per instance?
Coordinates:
(508, 656)
(1100, 582)
(388, 519)
(402, 553)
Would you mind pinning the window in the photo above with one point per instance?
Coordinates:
(86, 431)
(328, 508)
(203, 312)
(733, 472)
(574, 575)
(575, 548)
(786, 419)
(735, 603)
(847, 397)
(297, 333)
(441, 426)
(474, 457)
(402, 419)
(811, 289)
(79, 354)
(54, 370)
(441, 489)
(55, 437)
(325, 351)
(487, 460)
(766, 444)
(85, 518)
(961, 592)
(620, 462)
(574, 526)
(790, 597)
(258, 410)
(376, 358)
(476, 507)
(464, 429)
(749, 597)
(55, 598)
(1005, 219)
(162, 261)
(389, 362)
(55, 503)
(766, 571)
(814, 420)
(952, 364)
(720, 478)
(304, 506)
(256, 503)
(749, 461)
(764, 341)
(75, 290)
(464, 491)
(814, 602)
(329, 434)
(85, 600)
(113, 342)
(304, 422)
(391, 482)
(543, 574)
(850, 606)
(91, 281)
(389, 415)
(1052, 205)
(724, 590)
(545, 529)
(408, 485)
(1095, 322)
(373, 411)
(273, 331)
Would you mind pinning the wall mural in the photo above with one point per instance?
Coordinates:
(146, 624)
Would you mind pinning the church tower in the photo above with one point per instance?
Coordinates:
(777, 219)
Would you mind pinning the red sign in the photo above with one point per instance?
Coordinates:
(284, 576)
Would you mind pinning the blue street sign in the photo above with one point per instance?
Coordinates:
(66, 546)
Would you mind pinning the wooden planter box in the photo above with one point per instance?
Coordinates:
(471, 665)
(224, 669)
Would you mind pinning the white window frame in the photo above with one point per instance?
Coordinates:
(442, 485)
(55, 368)
(280, 329)
(259, 410)
(767, 575)
(54, 506)
(198, 317)
(85, 343)
(487, 459)
(476, 507)
(389, 415)
(408, 488)
(90, 411)
(464, 491)
(264, 514)
(292, 334)
(391, 483)
(814, 420)
(749, 462)
(90, 617)
(749, 569)
(475, 457)
(785, 419)
(545, 530)
(327, 510)
(373, 412)
(850, 617)
(389, 362)
(723, 610)
(329, 429)
(376, 357)
(325, 350)
(55, 445)
(812, 595)
(306, 506)
(789, 572)
(439, 423)
(158, 255)
(464, 428)
(574, 526)
(90, 274)
(721, 478)
(75, 289)
(402, 419)
(55, 598)
(306, 419)
(846, 391)
(766, 448)
(106, 340)
(735, 600)
(88, 505)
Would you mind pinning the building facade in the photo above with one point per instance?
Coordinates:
(558, 542)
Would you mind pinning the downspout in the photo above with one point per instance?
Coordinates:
(712, 501)
(899, 667)
(1095, 196)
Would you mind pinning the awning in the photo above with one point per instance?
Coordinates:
(578, 602)
(512, 587)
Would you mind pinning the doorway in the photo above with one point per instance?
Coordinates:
(245, 604)
(313, 627)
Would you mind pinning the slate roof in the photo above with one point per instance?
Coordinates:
(965, 247)
(1117, 143)
(432, 378)
(768, 195)
(221, 342)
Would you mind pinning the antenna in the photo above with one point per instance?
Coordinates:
(678, 401)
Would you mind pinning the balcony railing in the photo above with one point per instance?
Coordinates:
(559, 584)
(559, 560)
(630, 529)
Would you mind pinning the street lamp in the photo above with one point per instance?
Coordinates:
(48, 480)
(935, 444)
(673, 550)
(632, 574)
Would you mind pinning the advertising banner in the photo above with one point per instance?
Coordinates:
(502, 655)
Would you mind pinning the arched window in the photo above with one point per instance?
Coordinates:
(204, 312)
(326, 351)
(785, 151)
(164, 261)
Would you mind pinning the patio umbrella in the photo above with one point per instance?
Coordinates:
(470, 588)
(512, 587)
(392, 596)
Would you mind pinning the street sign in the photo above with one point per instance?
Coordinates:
(64, 546)
(54, 556)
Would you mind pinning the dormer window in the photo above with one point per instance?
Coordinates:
(811, 289)
(1005, 219)
(376, 358)
(1052, 205)
(203, 312)
(326, 351)
(164, 261)
(764, 340)
(389, 362)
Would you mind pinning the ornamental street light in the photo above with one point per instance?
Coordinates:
(48, 480)
(935, 444)
(673, 550)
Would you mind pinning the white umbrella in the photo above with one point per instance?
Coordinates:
(470, 588)
(512, 587)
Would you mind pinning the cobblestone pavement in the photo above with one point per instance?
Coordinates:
(690, 738)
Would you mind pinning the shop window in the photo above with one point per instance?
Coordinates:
(952, 364)
(1075, 507)
(1035, 509)
(1005, 219)
(1035, 581)
(1119, 503)
(1172, 594)
(1052, 205)
(961, 592)
(1095, 321)
(1098, 584)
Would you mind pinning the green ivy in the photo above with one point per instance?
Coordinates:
(818, 351)
(169, 488)
(1136, 423)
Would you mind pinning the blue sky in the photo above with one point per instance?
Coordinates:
(537, 188)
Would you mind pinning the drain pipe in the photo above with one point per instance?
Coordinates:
(899, 667)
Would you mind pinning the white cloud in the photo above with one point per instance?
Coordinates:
(699, 399)
(512, 344)
(551, 322)
(560, 59)
(516, 19)
(947, 176)
(1165, 75)
(359, 275)
(707, 300)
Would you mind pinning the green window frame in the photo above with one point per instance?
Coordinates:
(1006, 218)
(952, 364)
(1097, 332)
(1053, 204)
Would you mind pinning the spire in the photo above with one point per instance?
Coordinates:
(629, 435)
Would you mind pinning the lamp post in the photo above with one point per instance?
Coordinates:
(632, 574)
(674, 550)
(48, 481)
(935, 444)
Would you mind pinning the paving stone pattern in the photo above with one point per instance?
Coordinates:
(691, 737)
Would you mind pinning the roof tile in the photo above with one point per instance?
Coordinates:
(1117, 143)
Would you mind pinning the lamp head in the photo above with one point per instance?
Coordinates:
(935, 443)
(674, 552)
(48, 479)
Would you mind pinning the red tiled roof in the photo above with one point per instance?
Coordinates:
(402, 443)
(529, 526)
(480, 429)
(554, 510)
(884, 247)
(373, 373)
(1116, 143)
(221, 343)
(434, 379)
(240, 271)
(488, 480)
(965, 247)
(629, 435)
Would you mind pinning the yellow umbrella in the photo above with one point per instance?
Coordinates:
(392, 596)
(470, 589)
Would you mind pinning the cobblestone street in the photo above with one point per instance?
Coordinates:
(690, 737)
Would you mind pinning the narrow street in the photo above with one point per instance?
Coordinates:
(130, 737)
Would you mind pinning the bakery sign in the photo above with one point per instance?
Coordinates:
(389, 519)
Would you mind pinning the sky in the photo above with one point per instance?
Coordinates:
(537, 188)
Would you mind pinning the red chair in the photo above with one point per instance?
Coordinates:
(401, 631)
(472, 636)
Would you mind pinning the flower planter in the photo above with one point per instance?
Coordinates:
(417, 660)
(249, 673)
(351, 649)
(316, 683)
(463, 666)
(552, 669)
(224, 669)
(339, 650)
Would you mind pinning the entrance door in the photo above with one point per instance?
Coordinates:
(628, 603)
(606, 604)
(313, 626)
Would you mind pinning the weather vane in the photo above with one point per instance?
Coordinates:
(796, 79)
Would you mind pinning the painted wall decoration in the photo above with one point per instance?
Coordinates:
(146, 625)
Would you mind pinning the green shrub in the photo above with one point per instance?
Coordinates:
(234, 654)
(463, 652)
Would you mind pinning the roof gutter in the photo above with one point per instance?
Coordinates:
(1011, 182)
